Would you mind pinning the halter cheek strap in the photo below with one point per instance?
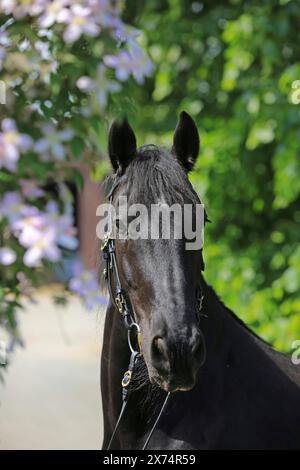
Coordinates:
(119, 298)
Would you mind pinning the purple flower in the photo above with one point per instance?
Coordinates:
(7, 256)
(44, 247)
(32, 228)
(52, 12)
(79, 20)
(51, 144)
(21, 9)
(142, 66)
(35, 234)
(11, 206)
(130, 61)
(29, 227)
(30, 189)
(85, 284)
(42, 232)
(65, 232)
(122, 63)
(101, 85)
(106, 12)
(11, 144)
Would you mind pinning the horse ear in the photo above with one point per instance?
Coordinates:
(186, 141)
(121, 145)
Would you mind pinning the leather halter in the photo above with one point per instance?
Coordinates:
(123, 305)
(119, 299)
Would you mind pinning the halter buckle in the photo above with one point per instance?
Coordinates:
(126, 379)
(120, 302)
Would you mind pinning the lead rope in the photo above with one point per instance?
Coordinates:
(125, 393)
(156, 421)
(126, 381)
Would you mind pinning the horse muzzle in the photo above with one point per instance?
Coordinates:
(175, 365)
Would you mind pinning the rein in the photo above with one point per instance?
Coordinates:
(123, 305)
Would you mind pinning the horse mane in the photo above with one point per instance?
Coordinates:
(155, 173)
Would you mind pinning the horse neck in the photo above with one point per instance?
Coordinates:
(230, 344)
(214, 322)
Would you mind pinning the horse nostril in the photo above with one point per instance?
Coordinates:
(159, 347)
(159, 353)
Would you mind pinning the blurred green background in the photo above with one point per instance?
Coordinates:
(232, 65)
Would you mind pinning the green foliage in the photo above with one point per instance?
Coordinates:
(63, 64)
(232, 64)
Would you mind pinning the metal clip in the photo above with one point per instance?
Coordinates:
(138, 337)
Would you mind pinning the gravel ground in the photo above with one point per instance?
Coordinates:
(51, 396)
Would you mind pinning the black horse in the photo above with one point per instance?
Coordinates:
(230, 390)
